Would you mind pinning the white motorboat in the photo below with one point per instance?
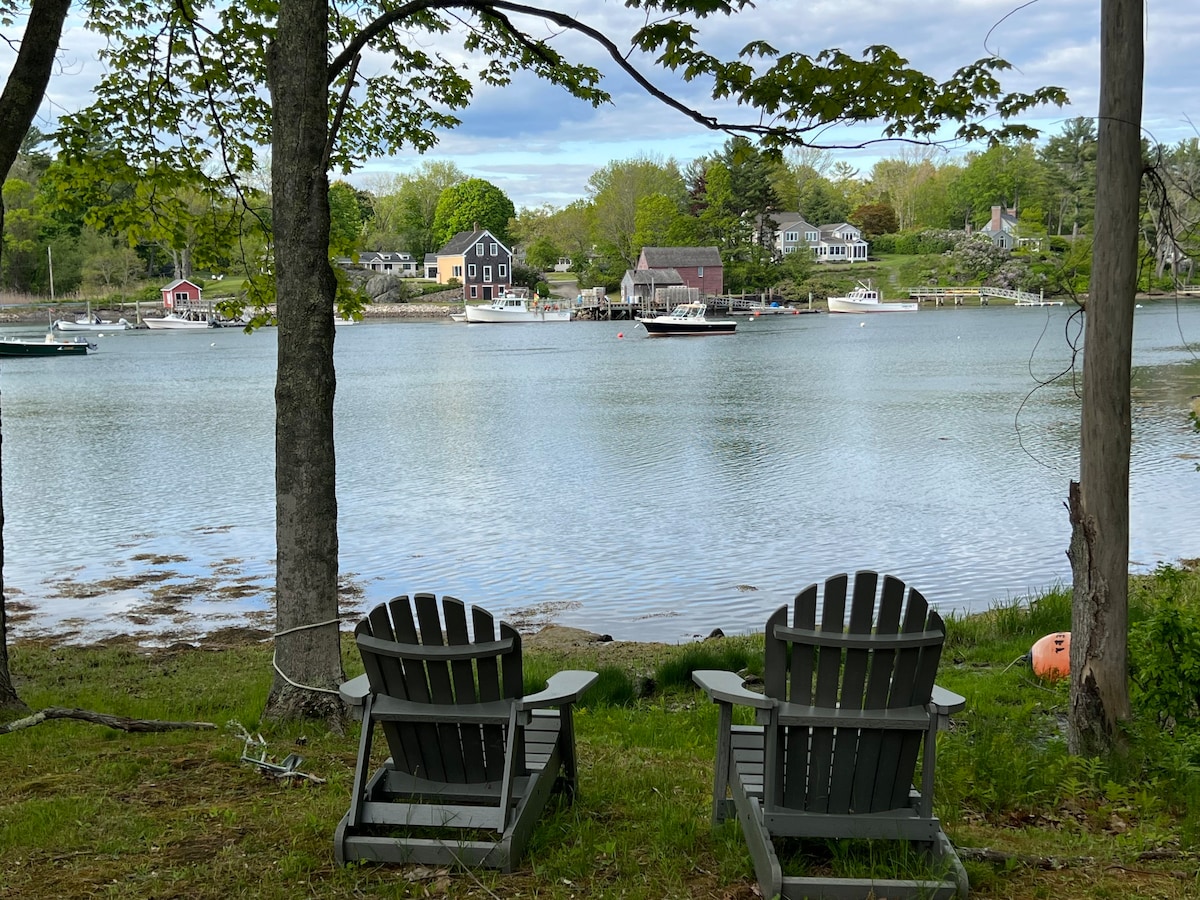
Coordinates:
(687, 319)
(89, 323)
(511, 307)
(865, 299)
(186, 320)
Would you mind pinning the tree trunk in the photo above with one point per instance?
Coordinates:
(307, 646)
(1099, 503)
(19, 103)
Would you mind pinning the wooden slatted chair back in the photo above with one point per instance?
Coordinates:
(880, 654)
(423, 652)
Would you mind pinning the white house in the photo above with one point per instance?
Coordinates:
(842, 242)
(793, 232)
(402, 264)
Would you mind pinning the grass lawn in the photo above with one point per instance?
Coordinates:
(88, 810)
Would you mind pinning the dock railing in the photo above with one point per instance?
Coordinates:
(940, 295)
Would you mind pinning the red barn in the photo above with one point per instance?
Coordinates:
(698, 267)
(180, 290)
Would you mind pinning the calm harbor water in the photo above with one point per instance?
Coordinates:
(650, 489)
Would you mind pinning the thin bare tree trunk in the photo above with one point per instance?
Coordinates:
(19, 103)
(1099, 502)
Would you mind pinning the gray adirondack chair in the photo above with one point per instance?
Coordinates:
(470, 755)
(845, 710)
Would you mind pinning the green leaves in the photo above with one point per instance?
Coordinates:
(470, 205)
(192, 75)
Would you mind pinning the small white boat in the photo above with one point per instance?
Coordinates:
(89, 323)
(191, 318)
(687, 319)
(513, 307)
(865, 299)
(186, 320)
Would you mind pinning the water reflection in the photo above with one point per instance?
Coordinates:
(649, 489)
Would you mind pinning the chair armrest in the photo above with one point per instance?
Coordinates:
(726, 687)
(561, 688)
(946, 703)
(354, 691)
(943, 704)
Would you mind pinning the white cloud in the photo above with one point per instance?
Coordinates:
(540, 145)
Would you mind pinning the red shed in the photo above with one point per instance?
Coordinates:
(182, 290)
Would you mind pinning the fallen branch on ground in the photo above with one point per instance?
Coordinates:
(123, 723)
(985, 854)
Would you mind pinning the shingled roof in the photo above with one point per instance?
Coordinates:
(464, 239)
(655, 278)
(680, 257)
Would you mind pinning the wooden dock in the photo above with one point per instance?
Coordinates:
(940, 296)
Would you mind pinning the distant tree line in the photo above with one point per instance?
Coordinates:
(105, 227)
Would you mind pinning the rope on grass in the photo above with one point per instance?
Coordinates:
(283, 675)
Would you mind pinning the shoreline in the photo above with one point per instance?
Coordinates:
(422, 310)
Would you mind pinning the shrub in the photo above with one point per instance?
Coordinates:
(1164, 651)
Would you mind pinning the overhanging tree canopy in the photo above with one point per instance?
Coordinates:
(186, 88)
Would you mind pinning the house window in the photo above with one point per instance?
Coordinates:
(487, 274)
(788, 249)
(474, 291)
(456, 272)
(810, 236)
(479, 249)
(471, 270)
(493, 250)
(791, 237)
(502, 271)
(699, 271)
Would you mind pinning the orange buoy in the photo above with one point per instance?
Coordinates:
(1050, 656)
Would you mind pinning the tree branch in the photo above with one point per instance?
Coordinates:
(341, 111)
(123, 723)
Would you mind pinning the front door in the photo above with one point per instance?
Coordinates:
(487, 292)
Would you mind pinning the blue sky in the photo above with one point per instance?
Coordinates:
(540, 146)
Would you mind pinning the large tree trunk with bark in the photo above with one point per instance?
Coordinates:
(1099, 503)
(19, 103)
(307, 646)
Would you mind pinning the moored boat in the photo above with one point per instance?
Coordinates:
(513, 307)
(48, 346)
(89, 323)
(865, 299)
(179, 321)
(686, 319)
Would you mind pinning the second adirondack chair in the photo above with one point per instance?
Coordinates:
(847, 707)
(473, 759)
